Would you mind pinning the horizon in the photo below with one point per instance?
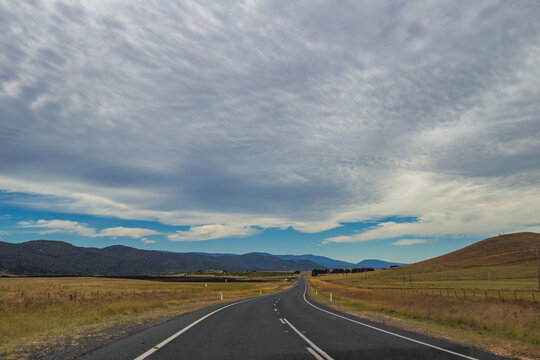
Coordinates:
(362, 130)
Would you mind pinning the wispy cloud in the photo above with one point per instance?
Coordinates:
(409, 242)
(119, 231)
(148, 241)
(304, 114)
(59, 226)
(210, 232)
(67, 226)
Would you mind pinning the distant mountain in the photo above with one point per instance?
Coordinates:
(376, 264)
(322, 260)
(212, 254)
(46, 257)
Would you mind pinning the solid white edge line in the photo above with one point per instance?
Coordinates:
(312, 352)
(172, 337)
(319, 350)
(388, 332)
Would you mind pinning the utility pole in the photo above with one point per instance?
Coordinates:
(538, 268)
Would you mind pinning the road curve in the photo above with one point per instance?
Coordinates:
(286, 325)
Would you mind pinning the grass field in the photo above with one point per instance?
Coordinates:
(36, 308)
(485, 294)
(509, 281)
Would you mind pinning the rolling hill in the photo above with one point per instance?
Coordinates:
(498, 250)
(508, 256)
(504, 262)
(46, 257)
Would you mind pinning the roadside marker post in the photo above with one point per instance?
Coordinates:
(221, 293)
(330, 297)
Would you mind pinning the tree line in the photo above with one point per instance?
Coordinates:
(316, 272)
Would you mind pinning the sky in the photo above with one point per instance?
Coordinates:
(362, 129)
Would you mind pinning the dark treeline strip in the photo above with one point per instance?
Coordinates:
(316, 272)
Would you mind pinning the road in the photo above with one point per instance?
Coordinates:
(286, 325)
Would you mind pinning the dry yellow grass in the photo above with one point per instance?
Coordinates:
(32, 308)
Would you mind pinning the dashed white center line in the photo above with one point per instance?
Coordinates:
(310, 343)
(312, 352)
(280, 319)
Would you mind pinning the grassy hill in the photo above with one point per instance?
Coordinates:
(498, 250)
(504, 262)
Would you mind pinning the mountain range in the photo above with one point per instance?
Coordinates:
(337, 264)
(48, 257)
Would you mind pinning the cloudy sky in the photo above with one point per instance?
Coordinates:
(392, 130)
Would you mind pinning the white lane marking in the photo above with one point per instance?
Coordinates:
(280, 319)
(172, 337)
(275, 309)
(310, 343)
(388, 332)
(312, 352)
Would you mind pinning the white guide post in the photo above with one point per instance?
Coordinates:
(330, 297)
(221, 293)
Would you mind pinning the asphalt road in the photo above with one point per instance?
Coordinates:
(287, 325)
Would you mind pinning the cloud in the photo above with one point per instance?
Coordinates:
(67, 226)
(148, 241)
(409, 242)
(135, 233)
(210, 232)
(59, 226)
(304, 115)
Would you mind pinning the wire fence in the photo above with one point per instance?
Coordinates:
(500, 294)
